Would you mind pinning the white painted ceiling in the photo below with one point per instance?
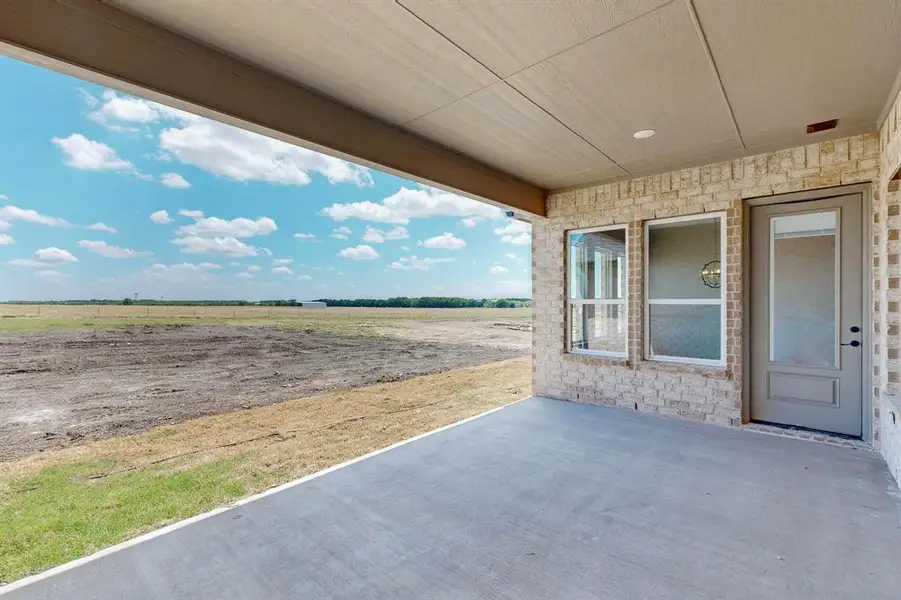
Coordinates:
(551, 91)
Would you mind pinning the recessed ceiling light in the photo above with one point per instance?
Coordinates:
(644, 134)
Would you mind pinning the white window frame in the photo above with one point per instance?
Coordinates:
(721, 362)
(570, 301)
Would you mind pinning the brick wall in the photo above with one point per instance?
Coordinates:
(693, 392)
(888, 386)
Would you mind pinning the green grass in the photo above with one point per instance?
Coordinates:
(56, 516)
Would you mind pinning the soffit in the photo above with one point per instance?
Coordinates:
(499, 126)
(509, 36)
(651, 73)
(715, 79)
(785, 63)
(375, 55)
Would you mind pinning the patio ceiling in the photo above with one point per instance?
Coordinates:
(544, 95)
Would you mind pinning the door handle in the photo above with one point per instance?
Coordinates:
(852, 343)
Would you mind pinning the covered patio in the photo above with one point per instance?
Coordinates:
(540, 499)
(688, 168)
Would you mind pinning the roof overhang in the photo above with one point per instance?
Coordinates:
(499, 100)
(101, 43)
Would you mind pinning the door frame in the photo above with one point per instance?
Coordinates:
(866, 272)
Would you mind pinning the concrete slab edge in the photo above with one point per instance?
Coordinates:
(20, 583)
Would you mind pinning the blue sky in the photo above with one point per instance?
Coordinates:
(104, 195)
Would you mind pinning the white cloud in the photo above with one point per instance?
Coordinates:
(51, 275)
(408, 204)
(54, 255)
(515, 232)
(44, 257)
(512, 256)
(107, 251)
(221, 149)
(361, 252)
(240, 155)
(234, 263)
(88, 155)
(101, 227)
(498, 269)
(128, 114)
(341, 233)
(26, 262)
(184, 272)
(304, 236)
(282, 261)
(116, 107)
(421, 264)
(304, 277)
(6, 239)
(223, 246)
(243, 276)
(445, 241)
(253, 268)
(378, 236)
(235, 228)
(212, 235)
(282, 271)
(175, 181)
(8, 214)
(160, 217)
(186, 266)
(471, 221)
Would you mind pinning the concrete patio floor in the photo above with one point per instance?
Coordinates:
(543, 499)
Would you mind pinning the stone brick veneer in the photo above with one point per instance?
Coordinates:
(888, 242)
(693, 392)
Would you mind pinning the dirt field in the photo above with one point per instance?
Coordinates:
(62, 386)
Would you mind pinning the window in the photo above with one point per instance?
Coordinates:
(597, 291)
(685, 271)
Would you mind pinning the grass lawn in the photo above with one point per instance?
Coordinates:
(63, 505)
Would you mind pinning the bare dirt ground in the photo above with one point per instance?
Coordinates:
(66, 387)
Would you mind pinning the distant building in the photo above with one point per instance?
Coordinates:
(313, 304)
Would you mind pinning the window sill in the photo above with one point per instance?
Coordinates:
(599, 359)
(712, 371)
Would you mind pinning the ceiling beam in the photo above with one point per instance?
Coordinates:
(96, 41)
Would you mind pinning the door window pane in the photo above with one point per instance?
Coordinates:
(598, 265)
(689, 331)
(598, 327)
(803, 294)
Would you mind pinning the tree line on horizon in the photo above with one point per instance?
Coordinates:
(396, 302)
